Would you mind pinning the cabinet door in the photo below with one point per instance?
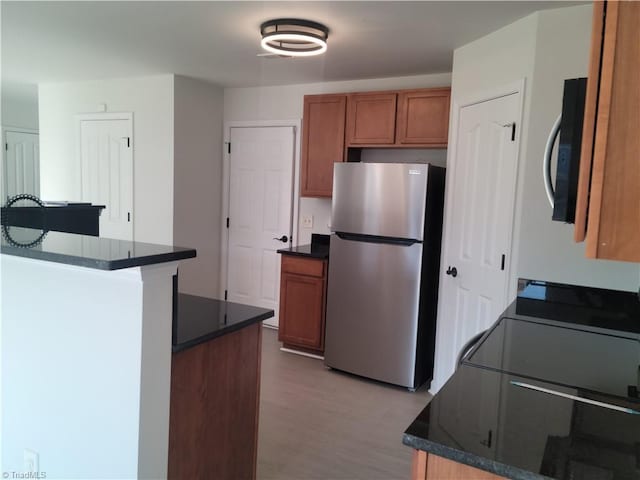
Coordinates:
(589, 123)
(371, 118)
(423, 117)
(613, 230)
(322, 142)
(302, 311)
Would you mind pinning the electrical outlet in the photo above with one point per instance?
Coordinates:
(307, 221)
(31, 461)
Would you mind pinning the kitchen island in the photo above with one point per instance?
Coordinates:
(86, 326)
(215, 389)
(550, 391)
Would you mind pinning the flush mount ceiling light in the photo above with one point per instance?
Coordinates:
(293, 37)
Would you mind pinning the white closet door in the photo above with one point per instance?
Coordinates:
(260, 212)
(479, 219)
(107, 173)
(21, 164)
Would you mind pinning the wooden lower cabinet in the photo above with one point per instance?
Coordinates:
(303, 293)
(427, 466)
(215, 393)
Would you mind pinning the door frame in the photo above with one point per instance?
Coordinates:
(3, 166)
(103, 116)
(518, 88)
(295, 194)
(8, 128)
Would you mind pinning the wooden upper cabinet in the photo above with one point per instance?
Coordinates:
(322, 142)
(610, 153)
(398, 119)
(371, 118)
(423, 117)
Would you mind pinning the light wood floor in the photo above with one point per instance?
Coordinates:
(321, 424)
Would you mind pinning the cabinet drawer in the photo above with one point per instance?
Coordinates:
(303, 266)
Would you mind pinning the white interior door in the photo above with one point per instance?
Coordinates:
(479, 218)
(260, 212)
(107, 173)
(21, 164)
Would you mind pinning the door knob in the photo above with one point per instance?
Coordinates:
(283, 238)
(452, 271)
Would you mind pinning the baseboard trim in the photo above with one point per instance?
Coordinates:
(304, 354)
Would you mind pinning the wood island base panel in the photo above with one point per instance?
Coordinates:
(432, 467)
(215, 393)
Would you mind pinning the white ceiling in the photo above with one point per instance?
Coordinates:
(218, 41)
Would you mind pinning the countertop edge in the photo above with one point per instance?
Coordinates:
(177, 348)
(98, 264)
(470, 459)
(321, 253)
(306, 255)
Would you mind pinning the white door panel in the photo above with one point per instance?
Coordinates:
(107, 173)
(21, 164)
(479, 217)
(260, 210)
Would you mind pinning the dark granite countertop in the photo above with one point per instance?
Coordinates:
(88, 251)
(200, 319)
(318, 248)
(492, 415)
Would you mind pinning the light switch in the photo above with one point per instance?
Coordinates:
(307, 221)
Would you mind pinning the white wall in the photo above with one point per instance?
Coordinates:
(20, 106)
(151, 101)
(198, 182)
(501, 58)
(498, 59)
(86, 369)
(286, 103)
(544, 48)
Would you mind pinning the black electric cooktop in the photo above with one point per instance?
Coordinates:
(598, 362)
(600, 328)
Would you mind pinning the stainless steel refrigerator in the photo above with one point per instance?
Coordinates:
(383, 270)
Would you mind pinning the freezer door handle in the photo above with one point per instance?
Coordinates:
(407, 242)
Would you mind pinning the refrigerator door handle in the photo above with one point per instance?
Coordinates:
(407, 242)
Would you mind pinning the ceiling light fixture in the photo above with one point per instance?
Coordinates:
(293, 37)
